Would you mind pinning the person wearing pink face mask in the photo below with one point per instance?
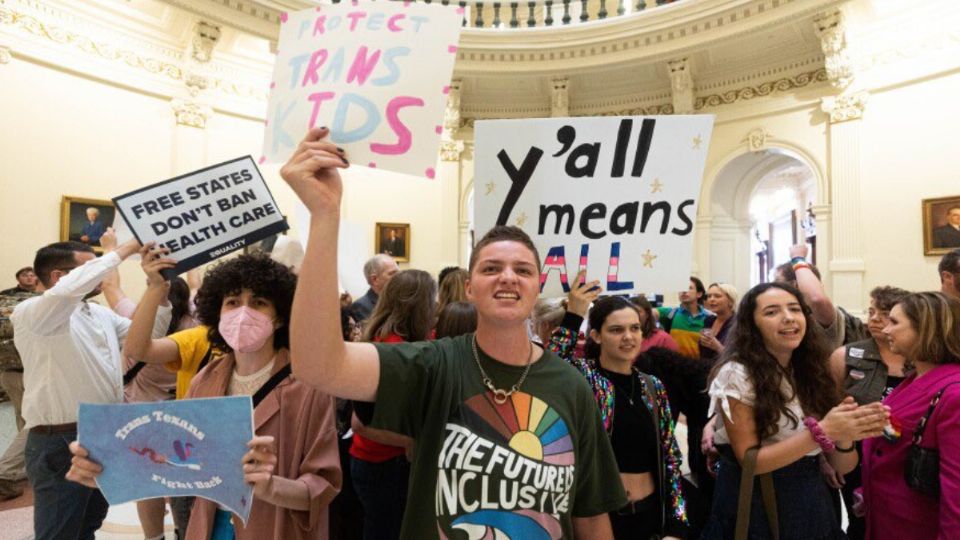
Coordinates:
(294, 465)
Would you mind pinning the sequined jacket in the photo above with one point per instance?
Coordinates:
(675, 523)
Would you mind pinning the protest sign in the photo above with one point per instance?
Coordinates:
(203, 215)
(190, 447)
(376, 73)
(616, 196)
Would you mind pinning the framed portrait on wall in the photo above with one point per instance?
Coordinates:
(393, 239)
(941, 225)
(85, 220)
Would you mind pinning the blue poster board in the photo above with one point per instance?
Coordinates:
(178, 448)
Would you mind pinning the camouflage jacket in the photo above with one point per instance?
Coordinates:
(9, 359)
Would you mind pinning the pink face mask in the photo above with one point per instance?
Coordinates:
(245, 329)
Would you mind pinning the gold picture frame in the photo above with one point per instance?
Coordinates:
(75, 223)
(393, 239)
(939, 235)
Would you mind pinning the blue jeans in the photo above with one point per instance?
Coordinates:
(382, 490)
(61, 509)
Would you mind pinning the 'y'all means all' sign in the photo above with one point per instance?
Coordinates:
(376, 73)
(204, 215)
(616, 196)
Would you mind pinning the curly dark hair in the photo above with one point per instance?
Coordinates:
(809, 373)
(263, 276)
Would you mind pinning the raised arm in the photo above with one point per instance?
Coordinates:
(812, 289)
(48, 314)
(139, 343)
(319, 355)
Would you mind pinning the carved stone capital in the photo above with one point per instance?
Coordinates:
(831, 28)
(205, 38)
(681, 84)
(5, 55)
(451, 150)
(845, 107)
(757, 139)
(559, 97)
(191, 113)
(451, 115)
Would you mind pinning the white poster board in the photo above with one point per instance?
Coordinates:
(615, 195)
(376, 73)
(203, 215)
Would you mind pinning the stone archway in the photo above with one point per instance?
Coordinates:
(724, 225)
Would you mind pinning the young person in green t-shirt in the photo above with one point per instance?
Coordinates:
(509, 441)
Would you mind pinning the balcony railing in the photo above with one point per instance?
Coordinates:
(542, 13)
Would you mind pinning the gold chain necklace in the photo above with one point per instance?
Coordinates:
(500, 396)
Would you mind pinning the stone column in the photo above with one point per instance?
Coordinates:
(681, 85)
(846, 238)
(190, 110)
(449, 175)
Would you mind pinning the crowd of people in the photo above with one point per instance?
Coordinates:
(467, 407)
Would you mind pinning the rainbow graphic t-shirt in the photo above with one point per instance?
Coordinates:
(513, 471)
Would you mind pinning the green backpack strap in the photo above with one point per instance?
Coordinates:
(767, 492)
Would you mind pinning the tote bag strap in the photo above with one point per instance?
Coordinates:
(767, 492)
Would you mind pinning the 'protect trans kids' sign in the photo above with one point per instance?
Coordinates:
(376, 73)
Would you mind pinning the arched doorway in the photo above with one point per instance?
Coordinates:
(754, 208)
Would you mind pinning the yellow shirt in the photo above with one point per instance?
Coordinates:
(194, 347)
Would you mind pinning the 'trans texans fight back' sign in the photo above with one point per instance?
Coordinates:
(204, 215)
(190, 447)
(376, 73)
(616, 196)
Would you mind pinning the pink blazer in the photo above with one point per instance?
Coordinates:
(893, 509)
(302, 422)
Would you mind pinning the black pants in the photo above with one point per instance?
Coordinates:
(639, 520)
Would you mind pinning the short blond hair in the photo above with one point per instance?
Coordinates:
(730, 292)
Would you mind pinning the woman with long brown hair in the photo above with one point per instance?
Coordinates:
(379, 464)
(775, 390)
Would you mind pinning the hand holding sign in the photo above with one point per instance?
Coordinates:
(83, 470)
(258, 465)
(153, 262)
(312, 172)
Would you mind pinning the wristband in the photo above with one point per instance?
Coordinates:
(818, 435)
(847, 450)
(800, 265)
(796, 260)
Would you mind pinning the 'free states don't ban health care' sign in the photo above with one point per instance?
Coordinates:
(203, 215)
(190, 447)
(616, 196)
(376, 73)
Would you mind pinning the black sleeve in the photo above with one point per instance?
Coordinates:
(572, 322)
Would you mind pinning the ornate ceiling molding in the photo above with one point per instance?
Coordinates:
(108, 51)
(173, 70)
(765, 89)
(845, 107)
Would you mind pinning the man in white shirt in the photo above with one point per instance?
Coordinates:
(71, 354)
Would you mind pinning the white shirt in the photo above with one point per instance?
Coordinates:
(733, 382)
(70, 348)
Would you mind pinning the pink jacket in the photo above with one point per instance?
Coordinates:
(302, 422)
(893, 509)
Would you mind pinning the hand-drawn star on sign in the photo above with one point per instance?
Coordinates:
(656, 186)
(521, 219)
(696, 142)
(648, 259)
(490, 187)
